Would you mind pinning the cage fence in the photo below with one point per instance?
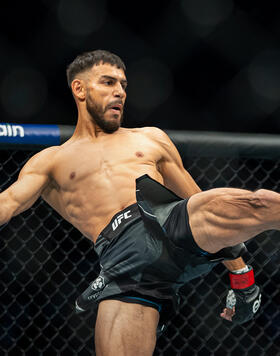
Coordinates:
(46, 263)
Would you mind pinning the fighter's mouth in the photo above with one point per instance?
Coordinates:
(115, 106)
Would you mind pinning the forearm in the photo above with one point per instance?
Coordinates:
(234, 265)
(32, 180)
(180, 182)
(5, 210)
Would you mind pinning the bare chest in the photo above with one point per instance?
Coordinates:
(91, 161)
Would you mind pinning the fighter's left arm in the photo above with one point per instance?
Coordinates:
(171, 167)
(244, 298)
(177, 179)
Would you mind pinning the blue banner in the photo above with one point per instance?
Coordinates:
(29, 134)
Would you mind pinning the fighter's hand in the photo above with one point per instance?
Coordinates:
(244, 299)
(228, 313)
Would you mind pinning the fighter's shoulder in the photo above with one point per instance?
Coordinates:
(153, 132)
(47, 153)
(41, 161)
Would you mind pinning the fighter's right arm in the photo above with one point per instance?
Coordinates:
(32, 180)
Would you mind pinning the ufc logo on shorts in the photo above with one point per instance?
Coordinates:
(119, 219)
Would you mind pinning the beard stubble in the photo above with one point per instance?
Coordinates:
(98, 116)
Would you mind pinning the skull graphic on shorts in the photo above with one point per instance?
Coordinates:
(98, 283)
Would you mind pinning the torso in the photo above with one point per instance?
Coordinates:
(93, 180)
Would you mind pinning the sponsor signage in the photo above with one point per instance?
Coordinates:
(29, 134)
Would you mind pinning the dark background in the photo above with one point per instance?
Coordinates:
(191, 64)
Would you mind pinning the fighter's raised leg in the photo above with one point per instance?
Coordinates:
(125, 329)
(224, 217)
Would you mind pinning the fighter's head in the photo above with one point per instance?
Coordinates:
(98, 83)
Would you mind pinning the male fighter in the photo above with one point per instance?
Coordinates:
(128, 192)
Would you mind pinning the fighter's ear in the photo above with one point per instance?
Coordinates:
(78, 89)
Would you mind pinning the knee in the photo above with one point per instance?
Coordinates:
(261, 198)
(253, 200)
(269, 198)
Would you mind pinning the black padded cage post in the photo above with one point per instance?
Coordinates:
(46, 263)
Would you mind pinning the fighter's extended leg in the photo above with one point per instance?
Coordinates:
(224, 217)
(125, 329)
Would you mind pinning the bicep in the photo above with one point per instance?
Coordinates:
(175, 176)
(177, 179)
(22, 194)
(33, 178)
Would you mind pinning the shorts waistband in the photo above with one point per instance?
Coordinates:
(119, 223)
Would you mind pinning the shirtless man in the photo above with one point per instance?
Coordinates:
(93, 180)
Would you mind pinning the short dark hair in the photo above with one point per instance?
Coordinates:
(87, 60)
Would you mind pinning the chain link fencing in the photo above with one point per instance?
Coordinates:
(46, 263)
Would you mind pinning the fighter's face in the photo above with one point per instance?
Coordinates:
(105, 96)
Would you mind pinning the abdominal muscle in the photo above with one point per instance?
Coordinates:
(92, 201)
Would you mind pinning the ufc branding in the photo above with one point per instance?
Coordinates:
(119, 219)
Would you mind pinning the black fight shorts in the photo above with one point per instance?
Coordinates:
(147, 252)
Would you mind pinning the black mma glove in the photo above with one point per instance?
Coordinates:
(245, 295)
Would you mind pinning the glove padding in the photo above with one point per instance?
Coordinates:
(245, 296)
(246, 303)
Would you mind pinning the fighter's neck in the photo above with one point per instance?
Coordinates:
(86, 127)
